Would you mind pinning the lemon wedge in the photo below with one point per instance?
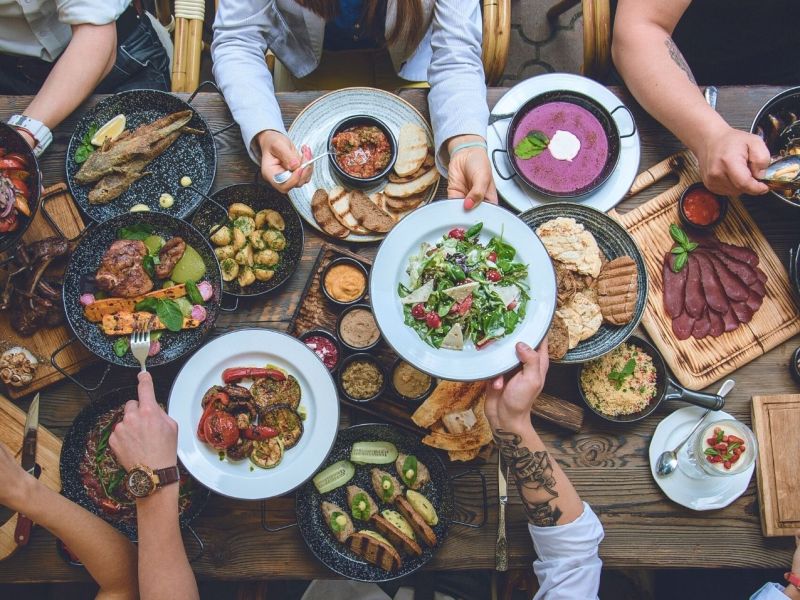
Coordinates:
(109, 131)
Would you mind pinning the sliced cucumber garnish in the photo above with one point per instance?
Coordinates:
(334, 476)
(376, 453)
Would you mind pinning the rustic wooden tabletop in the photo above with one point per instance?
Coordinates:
(608, 464)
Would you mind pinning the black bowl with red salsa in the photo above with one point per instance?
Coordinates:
(365, 150)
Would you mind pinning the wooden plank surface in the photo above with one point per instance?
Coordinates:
(48, 450)
(699, 363)
(45, 341)
(607, 463)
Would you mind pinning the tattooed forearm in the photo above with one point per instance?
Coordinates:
(676, 56)
(533, 473)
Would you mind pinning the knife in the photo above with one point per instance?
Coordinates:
(501, 549)
(22, 533)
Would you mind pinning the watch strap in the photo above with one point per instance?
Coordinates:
(36, 129)
(167, 476)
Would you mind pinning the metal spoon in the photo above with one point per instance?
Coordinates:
(783, 174)
(668, 460)
(284, 176)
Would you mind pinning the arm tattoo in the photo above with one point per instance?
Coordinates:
(677, 57)
(533, 473)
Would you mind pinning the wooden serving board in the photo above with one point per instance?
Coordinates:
(776, 421)
(314, 311)
(699, 363)
(45, 341)
(48, 453)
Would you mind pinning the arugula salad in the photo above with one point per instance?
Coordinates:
(464, 290)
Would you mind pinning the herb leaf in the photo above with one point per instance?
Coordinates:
(85, 148)
(680, 262)
(194, 294)
(121, 346)
(474, 230)
(679, 235)
(137, 231)
(169, 313)
(531, 145)
(619, 377)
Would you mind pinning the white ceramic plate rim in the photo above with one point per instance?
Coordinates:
(697, 494)
(520, 196)
(323, 174)
(429, 224)
(244, 348)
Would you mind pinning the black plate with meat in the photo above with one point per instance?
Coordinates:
(85, 261)
(258, 197)
(192, 154)
(316, 533)
(80, 481)
(12, 142)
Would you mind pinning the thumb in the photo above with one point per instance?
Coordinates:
(286, 153)
(480, 185)
(147, 395)
(758, 156)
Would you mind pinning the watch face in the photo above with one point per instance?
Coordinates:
(139, 483)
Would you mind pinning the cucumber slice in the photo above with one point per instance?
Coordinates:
(334, 476)
(376, 453)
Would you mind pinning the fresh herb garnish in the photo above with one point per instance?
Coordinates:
(137, 231)
(85, 148)
(531, 145)
(121, 346)
(168, 311)
(682, 248)
(410, 466)
(474, 230)
(193, 292)
(619, 377)
(149, 263)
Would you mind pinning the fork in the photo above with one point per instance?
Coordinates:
(140, 343)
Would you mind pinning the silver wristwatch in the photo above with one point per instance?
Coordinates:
(38, 130)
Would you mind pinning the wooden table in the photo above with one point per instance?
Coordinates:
(607, 464)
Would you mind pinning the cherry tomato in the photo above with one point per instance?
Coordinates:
(727, 465)
(462, 308)
(492, 257)
(493, 275)
(220, 430)
(259, 432)
(418, 311)
(433, 320)
(457, 233)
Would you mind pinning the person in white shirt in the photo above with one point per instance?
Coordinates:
(566, 533)
(62, 51)
(776, 591)
(443, 48)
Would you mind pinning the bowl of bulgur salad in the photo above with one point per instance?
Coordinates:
(629, 383)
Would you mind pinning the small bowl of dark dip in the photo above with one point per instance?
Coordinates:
(363, 151)
(357, 329)
(361, 378)
(325, 345)
(409, 383)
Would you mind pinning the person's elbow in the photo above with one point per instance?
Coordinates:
(620, 46)
(100, 40)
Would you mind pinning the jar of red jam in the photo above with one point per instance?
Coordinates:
(325, 345)
(701, 208)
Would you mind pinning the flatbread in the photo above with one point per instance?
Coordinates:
(412, 188)
(447, 397)
(368, 214)
(395, 178)
(412, 149)
(568, 242)
(566, 283)
(324, 216)
(464, 456)
(477, 437)
(582, 317)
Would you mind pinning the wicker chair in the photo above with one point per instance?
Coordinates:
(190, 17)
(596, 34)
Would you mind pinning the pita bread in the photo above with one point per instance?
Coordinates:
(412, 188)
(582, 317)
(430, 160)
(454, 340)
(339, 200)
(368, 214)
(568, 242)
(465, 456)
(477, 437)
(459, 421)
(324, 215)
(412, 149)
(447, 397)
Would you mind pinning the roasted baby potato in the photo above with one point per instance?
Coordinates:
(237, 209)
(245, 256)
(239, 239)
(257, 241)
(263, 274)
(221, 236)
(224, 252)
(268, 258)
(274, 239)
(246, 224)
(246, 276)
(229, 268)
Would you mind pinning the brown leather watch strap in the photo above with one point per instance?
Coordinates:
(167, 476)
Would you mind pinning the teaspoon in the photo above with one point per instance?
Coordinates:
(284, 176)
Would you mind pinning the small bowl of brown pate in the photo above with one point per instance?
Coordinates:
(409, 383)
(357, 329)
(361, 378)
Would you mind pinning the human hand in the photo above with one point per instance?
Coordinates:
(796, 558)
(16, 482)
(146, 435)
(279, 154)
(731, 161)
(469, 173)
(509, 402)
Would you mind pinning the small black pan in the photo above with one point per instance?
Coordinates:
(666, 389)
(12, 141)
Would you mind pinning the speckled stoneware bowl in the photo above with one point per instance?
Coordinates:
(192, 155)
(614, 242)
(318, 537)
(258, 197)
(11, 141)
(85, 261)
(75, 445)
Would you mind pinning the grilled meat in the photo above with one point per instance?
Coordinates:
(121, 273)
(169, 255)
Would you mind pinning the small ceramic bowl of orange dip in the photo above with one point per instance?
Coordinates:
(344, 281)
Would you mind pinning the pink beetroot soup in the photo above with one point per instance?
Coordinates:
(563, 176)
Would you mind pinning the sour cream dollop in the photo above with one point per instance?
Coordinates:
(564, 145)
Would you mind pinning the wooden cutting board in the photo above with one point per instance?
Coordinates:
(699, 363)
(45, 341)
(776, 421)
(48, 454)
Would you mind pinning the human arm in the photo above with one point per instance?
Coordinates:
(457, 100)
(240, 69)
(147, 436)
(657, 74)
(108, 555)
(566, 533)
(776, 591)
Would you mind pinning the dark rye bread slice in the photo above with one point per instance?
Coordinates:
(418, 524)
(375, 551)
(395, 536)
(368, 214)
(324, 216)
(617, 290)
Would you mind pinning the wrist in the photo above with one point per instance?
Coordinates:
(710, 127)
(457, 140)
(266, 138)
(792, 592)
(19, 496)
(520, 425)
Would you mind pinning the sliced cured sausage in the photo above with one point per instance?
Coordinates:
(744, 271)
(701, 326)
(730, 320)
(740, 253)
(717, 323)
(759, 288)
(712, 288)
(695, 301)
(743, 312)
(762, 277)
(732, 285)
(754, 301)
(682, 326)
(674, 287)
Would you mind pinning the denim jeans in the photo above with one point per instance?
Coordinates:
(142, 63)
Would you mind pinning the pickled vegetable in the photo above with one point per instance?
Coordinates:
(334, 476)
(376, 453)
(190, 267)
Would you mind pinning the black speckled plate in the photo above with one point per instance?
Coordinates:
(85, 261)
(11, 141)
(337, 557)
(614, 242)
(75, 445)
(258, 197)
(191, 155)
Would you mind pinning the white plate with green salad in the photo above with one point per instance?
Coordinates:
(453, 290)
